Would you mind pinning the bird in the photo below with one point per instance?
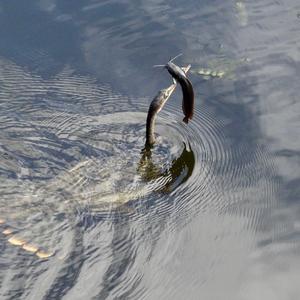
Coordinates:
(161, 98)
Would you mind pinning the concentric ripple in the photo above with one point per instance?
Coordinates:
(73, 172)
(224, 178)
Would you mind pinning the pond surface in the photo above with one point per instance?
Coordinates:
(211, 213)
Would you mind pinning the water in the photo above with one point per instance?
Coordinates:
(212, 213)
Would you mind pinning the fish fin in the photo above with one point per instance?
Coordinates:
(186, 69)
(175, 57)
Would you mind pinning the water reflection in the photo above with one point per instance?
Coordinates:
(180, 171)
(216, 218)
(67, 177)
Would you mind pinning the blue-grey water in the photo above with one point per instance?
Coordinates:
(211, 213)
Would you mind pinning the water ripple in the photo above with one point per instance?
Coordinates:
(77, 185)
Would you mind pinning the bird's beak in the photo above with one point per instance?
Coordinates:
(171, 88)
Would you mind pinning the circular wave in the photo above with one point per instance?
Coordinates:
(71, 159)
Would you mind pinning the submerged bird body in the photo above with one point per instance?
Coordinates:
(187, 90)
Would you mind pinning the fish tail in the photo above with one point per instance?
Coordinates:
(185, 120)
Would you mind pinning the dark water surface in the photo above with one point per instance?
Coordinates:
(213, 213)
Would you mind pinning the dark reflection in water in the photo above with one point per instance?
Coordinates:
(181, 168)
(211, 212)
